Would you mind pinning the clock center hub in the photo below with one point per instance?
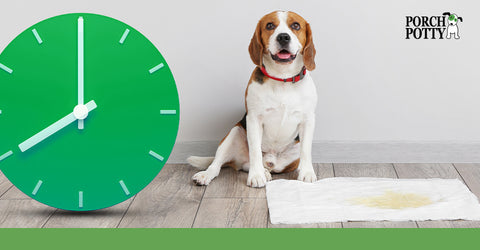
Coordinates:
(80, 112)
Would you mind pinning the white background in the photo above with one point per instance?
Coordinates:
(373, 85)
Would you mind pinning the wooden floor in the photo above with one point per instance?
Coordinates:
(172, 200)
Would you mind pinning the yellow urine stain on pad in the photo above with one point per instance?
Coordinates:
(393, 200)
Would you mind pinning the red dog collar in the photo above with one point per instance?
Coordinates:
(293, 79)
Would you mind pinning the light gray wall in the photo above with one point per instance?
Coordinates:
(373, 84)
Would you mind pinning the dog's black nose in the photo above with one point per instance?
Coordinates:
(283, 38)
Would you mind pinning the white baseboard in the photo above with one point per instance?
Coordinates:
(361, 152)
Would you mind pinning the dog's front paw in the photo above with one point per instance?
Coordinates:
(307, 176)
(256, 179)
(202, 178)
(268, 175)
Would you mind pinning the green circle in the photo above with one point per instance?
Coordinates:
(126, 140)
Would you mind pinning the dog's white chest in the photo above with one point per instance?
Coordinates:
(280, 127)
(281, 108)
(283, 112)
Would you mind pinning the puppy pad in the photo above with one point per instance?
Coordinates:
(370, 199)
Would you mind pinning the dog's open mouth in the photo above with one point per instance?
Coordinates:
(284, 56)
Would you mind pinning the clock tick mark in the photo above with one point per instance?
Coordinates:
(159, 157)
(7, 69)
(124, 187)
(6, 155)
(37, 36)
(124, 36)
(37, 187)
(168, 112)
(156, 68)
(80, 199)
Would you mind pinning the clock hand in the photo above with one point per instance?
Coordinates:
(80, 68)
(79, 112)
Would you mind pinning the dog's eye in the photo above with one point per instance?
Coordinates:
(295, 26)
(270, 26)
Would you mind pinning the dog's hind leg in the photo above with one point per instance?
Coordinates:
(233, 151)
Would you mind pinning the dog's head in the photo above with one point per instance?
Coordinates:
(453, 18)
(283, 38)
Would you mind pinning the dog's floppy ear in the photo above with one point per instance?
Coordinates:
(309, 50)
(460, 18)
(446, 13)
(256, 46)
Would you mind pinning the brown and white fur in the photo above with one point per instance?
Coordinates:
(277, 131)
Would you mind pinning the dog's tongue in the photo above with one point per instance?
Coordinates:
(283, 55)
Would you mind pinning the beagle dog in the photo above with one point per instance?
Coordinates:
(452, 27)
(276, 133)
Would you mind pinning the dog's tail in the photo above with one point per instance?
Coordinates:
(201, 163)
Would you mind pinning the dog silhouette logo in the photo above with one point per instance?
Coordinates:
(452, 28)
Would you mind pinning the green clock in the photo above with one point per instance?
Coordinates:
(89, 111)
